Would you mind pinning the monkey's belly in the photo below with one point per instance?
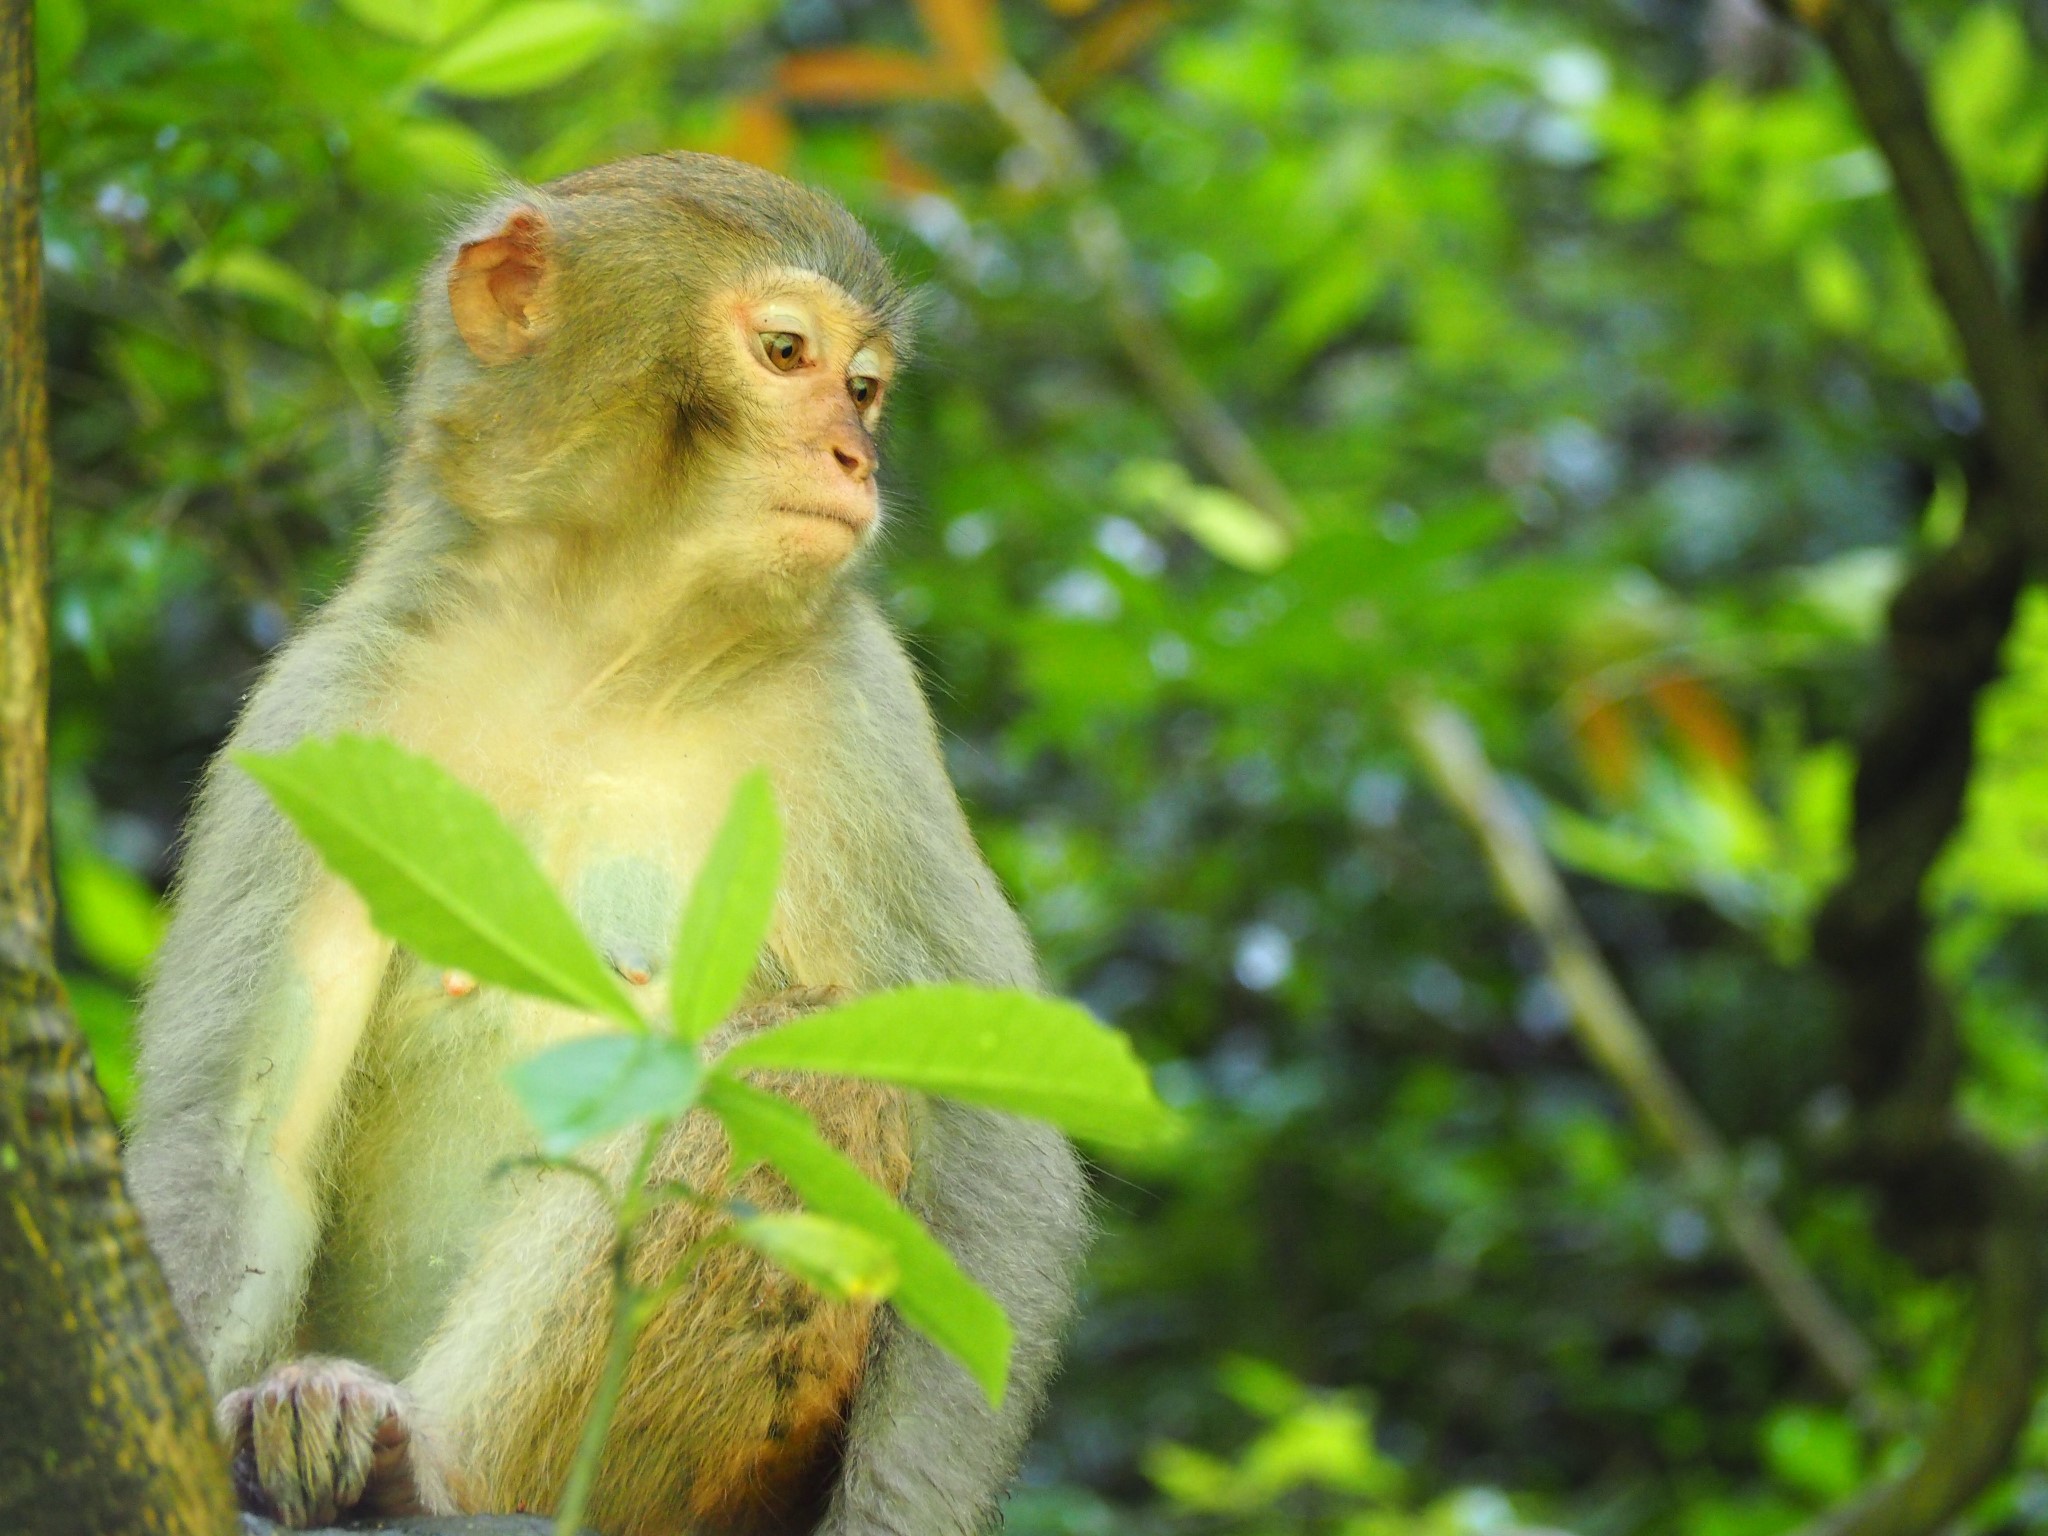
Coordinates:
(731, 1418)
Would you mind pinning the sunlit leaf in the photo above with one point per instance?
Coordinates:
(113, 918)
(1227, 525)
(252, 274)
(528, 47)
(834, 1257)
(1700, 720)
(442, 873)
(1818, 1453)
(416, 21)
(966, 32)
(854, 75)
(592, 1086)
(450, 154)
(760, 132)
(932, 1294)
(725, 921)
(1016, 1051)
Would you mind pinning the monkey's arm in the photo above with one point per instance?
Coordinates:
(252, 1016)
(926, 1455)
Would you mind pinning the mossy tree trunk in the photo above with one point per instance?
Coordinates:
(103, 1420)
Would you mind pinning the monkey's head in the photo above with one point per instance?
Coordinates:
(676, 346)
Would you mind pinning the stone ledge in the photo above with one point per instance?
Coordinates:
(458, 1525)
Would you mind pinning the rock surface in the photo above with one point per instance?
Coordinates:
(459, 1525)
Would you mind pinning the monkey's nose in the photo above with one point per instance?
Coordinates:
(856, 456)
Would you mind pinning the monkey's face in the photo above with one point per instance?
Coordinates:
(807, 370)
(685, 352)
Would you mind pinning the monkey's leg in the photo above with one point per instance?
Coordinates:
(925, 1454)
(318, 1438)
(740, 1384)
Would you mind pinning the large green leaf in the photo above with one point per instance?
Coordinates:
(590, 1087)
(442, 873)
(831, 1256)
(1014, 1050)
(728, 912)
(932, 1294)
(416, 21)
(528, 47)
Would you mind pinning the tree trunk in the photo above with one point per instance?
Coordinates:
(103, 1419)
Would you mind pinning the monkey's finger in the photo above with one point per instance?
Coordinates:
(354, 1442)
(317, 1435)
(275, 1435)
(393, 1489)
(231, 1416)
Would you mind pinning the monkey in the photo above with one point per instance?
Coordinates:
(617, 564)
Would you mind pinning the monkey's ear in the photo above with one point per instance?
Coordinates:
(498, 289)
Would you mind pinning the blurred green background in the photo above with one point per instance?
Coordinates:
(1589, 344)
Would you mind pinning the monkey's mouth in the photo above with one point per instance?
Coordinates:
(857, 521)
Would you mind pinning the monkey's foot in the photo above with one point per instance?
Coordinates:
(319, 1438)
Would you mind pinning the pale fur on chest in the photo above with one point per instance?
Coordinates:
(619, 788)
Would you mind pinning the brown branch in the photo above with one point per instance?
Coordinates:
(1948, 1195)
(1886, 87)
(1615, 1038)
(104, 1426)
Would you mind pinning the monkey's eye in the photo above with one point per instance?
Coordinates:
(864, 389)
(783, 349)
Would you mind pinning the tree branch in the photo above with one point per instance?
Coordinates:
(1886, 87)
(105, 1425)
(1617, 1041)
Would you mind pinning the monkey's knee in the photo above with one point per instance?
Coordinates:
(319, 1439)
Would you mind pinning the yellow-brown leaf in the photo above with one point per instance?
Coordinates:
(854, 75)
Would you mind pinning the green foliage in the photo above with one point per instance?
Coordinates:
(833, 1257)
(726, 920)
(931, 1293)
(1009, 1050)
(587, 1088)
(1590, 366)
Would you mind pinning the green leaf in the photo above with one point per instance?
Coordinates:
(442, 873)
(831, 1256)
(113, 918)
(1225, 524)
(730, 905)
(1820, 1454)
(528, 47)
(416, 21)
(598, 1084)
(451, 154)
(1017, 1051)
(932, 1295)
(60, 33)
(249, 273)
(106, 1017)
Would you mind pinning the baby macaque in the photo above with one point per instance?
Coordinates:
(615, 570)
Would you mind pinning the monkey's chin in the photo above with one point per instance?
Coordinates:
(820, 536)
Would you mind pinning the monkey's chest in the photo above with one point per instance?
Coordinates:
(620, 821)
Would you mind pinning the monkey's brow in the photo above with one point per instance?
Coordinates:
(877, 330)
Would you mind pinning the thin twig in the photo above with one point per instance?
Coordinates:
(1210, 432)
(1616, 1039)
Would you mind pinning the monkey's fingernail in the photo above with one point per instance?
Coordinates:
(457, 983)
(633, 967)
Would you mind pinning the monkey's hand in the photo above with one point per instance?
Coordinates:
(319, 1438)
